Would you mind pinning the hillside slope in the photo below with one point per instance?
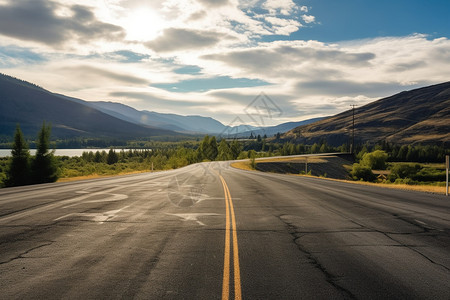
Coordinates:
(417, 116)
(187, 124)
(29, 105)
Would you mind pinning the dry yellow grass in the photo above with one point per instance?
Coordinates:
(245, 165)
(310, 159)
(93, 176)
(420, 188)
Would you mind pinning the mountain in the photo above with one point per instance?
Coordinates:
(29, 105)
(185, 124)
(179, 123)
(417, 116)
(189, 124)
(281, 128)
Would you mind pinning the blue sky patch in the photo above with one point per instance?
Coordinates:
(206, 84)
(130, 56)
(12, 56)
(192, 70)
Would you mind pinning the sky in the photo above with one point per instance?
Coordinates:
(225, 58)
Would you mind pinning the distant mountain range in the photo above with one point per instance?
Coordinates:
(29, 105)
(417, 116)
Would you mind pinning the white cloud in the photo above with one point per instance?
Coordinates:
(284, 7)
(308, 19)
(67, 53)
(175, 39)
(54, 24)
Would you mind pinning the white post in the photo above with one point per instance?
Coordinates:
(306, 165)
(446, 174)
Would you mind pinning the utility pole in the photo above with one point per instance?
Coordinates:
(352, 148)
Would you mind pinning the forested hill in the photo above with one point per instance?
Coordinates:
(417, 116)
(29, 105)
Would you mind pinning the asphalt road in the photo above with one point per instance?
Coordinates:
(209, 231)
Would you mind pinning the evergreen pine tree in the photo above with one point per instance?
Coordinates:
(204, 148)
(44, 167)
(224, 151)
(112, 157)
(236, 149)
(213, 151)
(19, 169)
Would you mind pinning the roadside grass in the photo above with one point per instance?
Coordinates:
(309, 159)
(95, 175)
(245, 165)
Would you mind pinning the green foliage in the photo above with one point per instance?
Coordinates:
(44, 165)
(4, 169)
(170, 154)
(407, 181)
(375, 160)
(361, 172)
(212, 150)
(416, 172)
(252, 156)
(112, 157)
(361, 153)
(253, 163)
(403, 171)
(315, 148)
(19, 169)
(224, 151)
(235, 148)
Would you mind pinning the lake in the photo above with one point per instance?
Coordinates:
(59, 152)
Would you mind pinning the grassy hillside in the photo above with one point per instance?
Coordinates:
(29, 105)
(417, 116)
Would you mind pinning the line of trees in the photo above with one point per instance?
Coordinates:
(26, 169)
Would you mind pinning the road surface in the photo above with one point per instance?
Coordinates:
(208, 231)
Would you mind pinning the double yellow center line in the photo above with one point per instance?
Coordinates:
(230, 229)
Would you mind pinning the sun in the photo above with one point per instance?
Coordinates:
(143, 24)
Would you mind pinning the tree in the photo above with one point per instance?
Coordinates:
(235, 148)
(224, 151)
(212, 153)
(403, 170)
(375, 160)
(360, 172)
(112, 157)
(19, 169)
(203, 149)
(44, 166)
(315, 148)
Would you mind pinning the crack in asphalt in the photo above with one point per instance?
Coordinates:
(21, 255)
(27, 233)
(425, 229)
(414, 248)
(293, 230)
(330, 278)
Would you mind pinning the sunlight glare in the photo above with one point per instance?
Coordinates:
(143, 24)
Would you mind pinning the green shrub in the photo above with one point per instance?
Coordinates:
(403, 170)
(361, 172)
(375, 160)
(407, 181)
